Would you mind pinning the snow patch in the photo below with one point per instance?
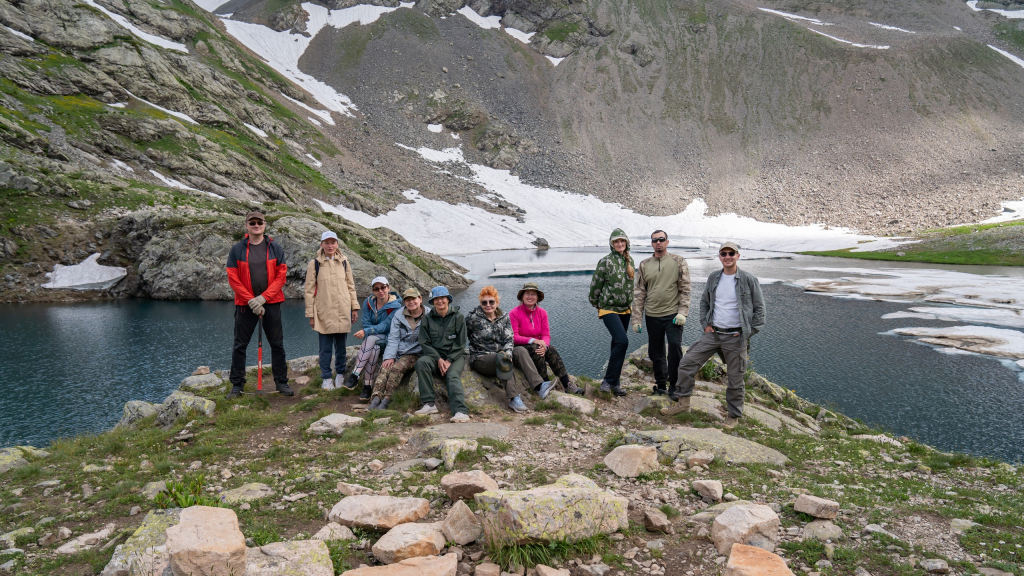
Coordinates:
(485, 22)
(211, 5)
(21, 35)
(555, 61)
(523, 37)
(151, 38)
(178, 115)
(1012, 210)
(311, 119)
(176, 184)
(435, 128)
(1012, 14)
(118, 105)
(313, 159)
(958, 29)
(854, 44)
(886, 27)
(794, 17)
(86, 275)
(1015, 59)
(325, 115)
(978, 339)
(121, 165)
(256, 130)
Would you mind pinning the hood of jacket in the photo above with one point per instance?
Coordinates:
(322, 256)
(405, 320)
(479, 311)
(617, 234)
(451, 310)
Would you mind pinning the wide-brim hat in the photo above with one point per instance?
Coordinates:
(530, 286)
(503, 366)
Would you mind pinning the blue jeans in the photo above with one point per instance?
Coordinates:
(616, 325)
(328, 341)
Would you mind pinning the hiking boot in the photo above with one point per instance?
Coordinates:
(427, 409)
(351, 381)
(618, 391)
(681, 405)
(730, 422)
(365, 394)
(658, 391)
(459, 417)
(374, 404)
(236, 391)
(605, 386)
(574, 389)
(545, 389)
(516, 404)
(384, 404)
(285, 390)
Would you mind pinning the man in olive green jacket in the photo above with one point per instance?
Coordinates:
(443, 338)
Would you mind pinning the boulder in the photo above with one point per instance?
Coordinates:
(135, 410)
(543, 570)
(465, 485)
(305, 557)
(11, 458)
(353, 489)
(575, 403)
(333, 532)
(202, 384)
(301, 365)
(378, 512)
(9, 540)
(87, 541)
(247, 493)
(753, 561)
(935, 566)
(145, 551)
(487, 569)
(449, 450)
(817, 507)
(631, 460)
(409, 541)
(709, 490)
(571, 509)
(656, 521)
(182, 404)
(206, 542)
(461, 525)
(333, 424)
(822, 530)
(151, 489)
(700, 458)
(731, 449)
(446, 565)
(742, 524)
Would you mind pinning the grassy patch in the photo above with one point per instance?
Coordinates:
(535, 421)
(548, 554)
(560, 31)
(188, 492)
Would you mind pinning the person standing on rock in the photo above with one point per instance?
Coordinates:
(490, 346)
(443, 338)
(256, 272)
(331, 305)
(731, 311)
(661, 297)
(402, 351)
(378, 311)
(611, 292)
(533, 352)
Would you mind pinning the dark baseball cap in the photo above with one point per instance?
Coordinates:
(254, 214)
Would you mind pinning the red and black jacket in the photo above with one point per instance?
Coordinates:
(238, 272)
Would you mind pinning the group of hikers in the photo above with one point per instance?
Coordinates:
(400, 334)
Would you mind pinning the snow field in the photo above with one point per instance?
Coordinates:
(86, 275)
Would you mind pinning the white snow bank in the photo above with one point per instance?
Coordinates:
(555, 61)
(21, 35)
(485, 22)
(255, 130)
(315, 162)
(978, 339)
(1012, 210)
(314, 120)
(176, 184)
(1015, 59)
(121, 165)
(86, 275)
(854, 44)
(210, 5)
(523, 37)
(566, 219)
(929, 285)
(794, 17)
(998, 316)
(151, 38)
(887, 27)
(118, 105)
(1012, 14)
(435, 128)
(177, 115)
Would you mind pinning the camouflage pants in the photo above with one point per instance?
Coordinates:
(390, 378)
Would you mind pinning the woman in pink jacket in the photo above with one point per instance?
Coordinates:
(531, 337)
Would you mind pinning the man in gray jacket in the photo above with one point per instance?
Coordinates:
(402, 351)
(731, 311)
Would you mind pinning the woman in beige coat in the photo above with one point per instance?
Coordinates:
(331, 305)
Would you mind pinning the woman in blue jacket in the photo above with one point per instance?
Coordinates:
(377, 311)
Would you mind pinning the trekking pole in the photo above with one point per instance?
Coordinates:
(259, 357)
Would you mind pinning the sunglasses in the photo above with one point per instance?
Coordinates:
(653, 240)
(488, 302)
(727, 254)
(380, 289)
(255, 222)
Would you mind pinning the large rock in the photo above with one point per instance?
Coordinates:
(461, 525)
(203, 384)
(181, 404)
(732, 449)
(543, 570)
(409, 541)
(450, 449)
(378, 512)
(817, 507)
(656, 521)
(571, 509)
(575, 403)
(446, 565)
(428, 440)
(465, 485)
(753, 561)
(134, 411)
(11, 458)
(298, 557)
(87, 541)
(743, 524)
(206, 542)
(10, 539)
(709, 490)
(247, 493)
(145, 551)
(481, 392)
(300, 365)
(630, 461)
(822, 530)
(333, 424)
(775, 420)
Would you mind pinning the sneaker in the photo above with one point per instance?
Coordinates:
(618, 391)
(605, 386)
(236, 391)
(730, 422)
(338, 381)
(460, 417)
(427, 409)
(658, 391)
(327, 384)
(351, 381)
(285, 390)
(366, 392)
(574, 389)
(516, 404)
(384, 404)
(375, 403)
(682, 405)
(545, 389)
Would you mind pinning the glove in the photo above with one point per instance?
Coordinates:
(638, 328)
(257, 309)
(679, 320)
(257, 302)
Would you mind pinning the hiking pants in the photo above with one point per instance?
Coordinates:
(658, 329)
(535, 366)
(487, 365)
(426, 368)
(616, 325)
(390, 378)
(246, 322)
(733, 349)
(332, 345)
(368, 360)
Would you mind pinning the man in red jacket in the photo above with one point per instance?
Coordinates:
(256, 272)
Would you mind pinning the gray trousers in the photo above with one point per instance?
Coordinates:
(733, 349)
(486, 366)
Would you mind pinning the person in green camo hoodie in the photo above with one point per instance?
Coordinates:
(611, 292)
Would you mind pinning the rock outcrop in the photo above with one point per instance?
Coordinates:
(379, 513)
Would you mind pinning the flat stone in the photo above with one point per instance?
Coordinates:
(94, 468)
(543, 570)
(740, 524)
(151, 489)
(353, 489)
(451, 447)
(298, 557)
(700, 458)
(429, 439)
(206, 542)
(404, 465)
(432, 463)
(993, 572)
(8, 567)
(753, 561)
(409, 541)
(574, 403)
(378, 512)
(817, 507)
(461, 525)
(446, 565)
(333, 532)
(247, 493)
(145, 551)
(465, 485)
(935, 566)
(822, 530)
(87, 541)
(487, 569)
(709, 490)
(333, 424)
(202, 384)
(774, 419)
(959, 526)
(9, 540)
(631, 460)
(711, 512)
(656, 521)
(731, 449)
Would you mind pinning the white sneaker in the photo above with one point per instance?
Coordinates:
(338, 380)
(460, 417)
(327, 384)
(427, 409)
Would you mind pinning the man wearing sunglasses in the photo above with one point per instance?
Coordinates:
(661, 296)
(731, 311)
(256, 272)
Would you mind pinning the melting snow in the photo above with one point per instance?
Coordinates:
(978, 339)
(854, 44)
(435, 127)
(997, 316)
(886, 27)
(256, 130)
(211, 5)
(523, 37)
(794, 17)
(316, 162)
(175, 184)
(87, 275)
(1012, 14)
(1008, 55)
(178, 115)
(555, 61)
(488, 22)
(311, 119)
(1012, 210)
(19, 34)
(151, 38)
(118, 105)
(121, 165)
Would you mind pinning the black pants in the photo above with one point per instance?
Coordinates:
(245, 325)
(658, 329)
(616, 325)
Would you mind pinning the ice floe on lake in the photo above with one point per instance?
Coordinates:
(998, 316)
(151, 38)
(979, 339)
(86, 275)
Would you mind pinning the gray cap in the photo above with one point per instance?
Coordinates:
(729, 244)
(327, 235)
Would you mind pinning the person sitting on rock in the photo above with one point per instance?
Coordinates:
(378, 310)
(533, 352)
(402, 350)
(443, 338)
(331, 306)
(490, 345)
